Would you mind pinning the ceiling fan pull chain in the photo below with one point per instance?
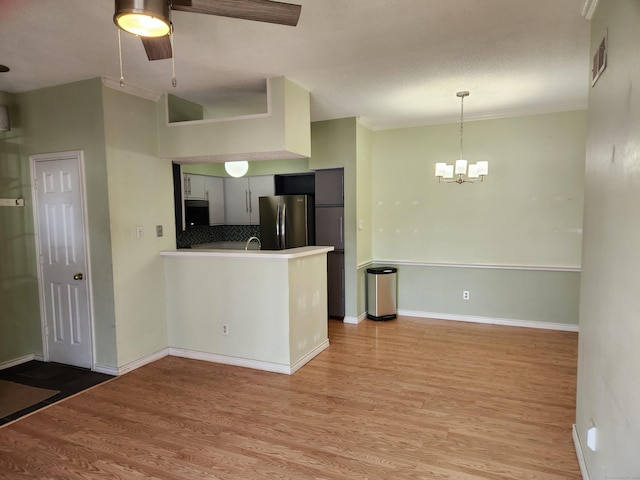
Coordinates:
(174, 82)
(120, 56)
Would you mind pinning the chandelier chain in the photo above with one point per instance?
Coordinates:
(174, 82)
(461, 123)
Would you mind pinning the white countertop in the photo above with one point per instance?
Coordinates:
(229, 253)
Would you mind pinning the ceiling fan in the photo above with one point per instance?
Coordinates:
(151, 19)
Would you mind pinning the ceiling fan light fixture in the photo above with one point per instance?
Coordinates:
(145, 18)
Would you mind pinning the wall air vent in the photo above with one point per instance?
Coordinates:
(599, 60)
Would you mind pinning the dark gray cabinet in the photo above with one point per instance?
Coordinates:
(330, 226)
(329, 185)
(335, 284)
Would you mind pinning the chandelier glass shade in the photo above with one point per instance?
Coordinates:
(462, 172)
(145, 18)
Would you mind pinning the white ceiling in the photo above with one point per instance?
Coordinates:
(390, 62)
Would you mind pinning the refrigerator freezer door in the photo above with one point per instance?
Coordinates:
(269, 227)
(285, 222)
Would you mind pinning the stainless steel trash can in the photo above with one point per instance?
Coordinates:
(382, 293)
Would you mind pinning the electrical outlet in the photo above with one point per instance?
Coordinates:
(465, 295)
(139, 232)
(225, 329)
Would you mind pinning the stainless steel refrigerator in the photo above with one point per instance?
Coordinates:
(286, 221)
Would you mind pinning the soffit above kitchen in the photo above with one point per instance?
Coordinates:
(391, 63)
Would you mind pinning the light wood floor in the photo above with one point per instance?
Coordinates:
(411, 398)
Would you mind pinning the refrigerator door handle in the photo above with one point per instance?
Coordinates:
(283, 230)
(278, 226)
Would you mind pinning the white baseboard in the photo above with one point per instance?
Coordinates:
(578, 447)
(235, 361)
(18, 361)
(106, 370)
(351, 320)
(248, 363)
(141, 362)
(493, 321)
(309, 356)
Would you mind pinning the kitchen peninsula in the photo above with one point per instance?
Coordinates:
(263, 309)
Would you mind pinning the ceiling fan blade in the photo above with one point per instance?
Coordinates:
(157, 48)
(257, 10)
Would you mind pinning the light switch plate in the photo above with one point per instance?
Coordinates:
(591, 438)
(159, 231)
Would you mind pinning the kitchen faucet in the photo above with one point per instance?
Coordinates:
(246, 247)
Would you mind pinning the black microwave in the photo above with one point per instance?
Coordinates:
(196, 213)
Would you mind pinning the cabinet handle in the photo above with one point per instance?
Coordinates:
(341, 239)
(250, 203)
(246, 201)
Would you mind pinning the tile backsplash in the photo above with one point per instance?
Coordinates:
(218, 233)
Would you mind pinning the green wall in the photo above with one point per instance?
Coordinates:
(19, 301)
(140, 193)
(523, 225)
(63, 118)
(126, 185)
(517, 295)
(364, 214)
(181, 110)
(526, 215)
(608, 395)
(528, 211)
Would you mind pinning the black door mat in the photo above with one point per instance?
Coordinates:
(68, 380)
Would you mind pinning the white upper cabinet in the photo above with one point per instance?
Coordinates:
(241, 198)
(194, 187)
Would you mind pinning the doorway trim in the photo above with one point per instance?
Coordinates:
(78, 156)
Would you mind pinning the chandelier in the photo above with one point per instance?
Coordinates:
(463, 172)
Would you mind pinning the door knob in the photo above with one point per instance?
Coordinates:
(78, 276)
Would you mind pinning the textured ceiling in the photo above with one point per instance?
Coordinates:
(390, 62)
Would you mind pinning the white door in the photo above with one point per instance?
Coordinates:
(59, 216)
